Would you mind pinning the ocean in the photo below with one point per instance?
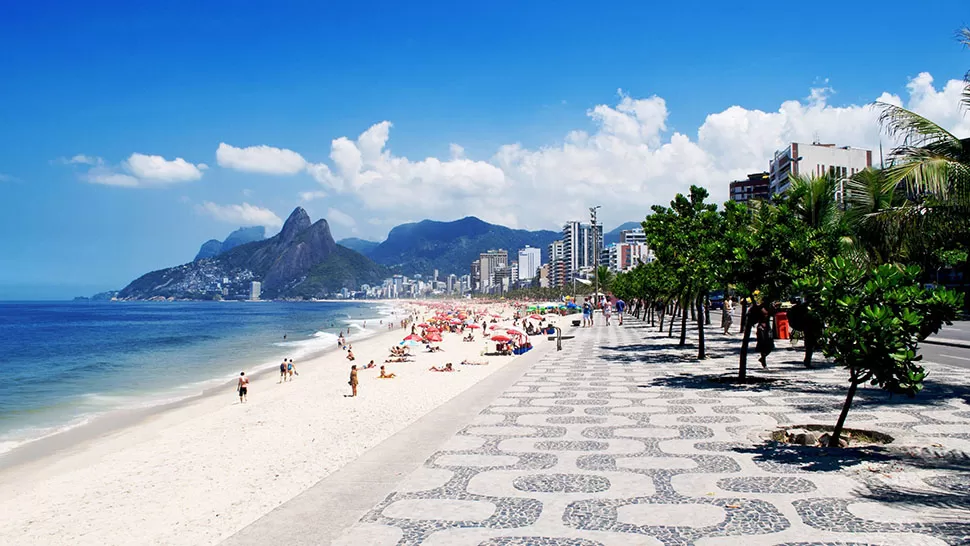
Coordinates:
(63, 363)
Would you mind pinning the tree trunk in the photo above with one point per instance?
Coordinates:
(663, 314)
(683, 322)
(701, 354)
(693, 317)
(837, 433)
(745, 340)
(744, 314)
(707, 310)
(670, 326)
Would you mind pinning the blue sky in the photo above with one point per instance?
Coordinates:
(509, 82)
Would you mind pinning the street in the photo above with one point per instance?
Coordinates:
(954, 355)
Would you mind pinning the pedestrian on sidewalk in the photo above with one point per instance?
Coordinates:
(620, 308)
(607, 312)
(727, 319)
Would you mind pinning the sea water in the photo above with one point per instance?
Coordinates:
(62, 363)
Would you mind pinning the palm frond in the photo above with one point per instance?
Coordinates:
(926, 172)
(914, 129)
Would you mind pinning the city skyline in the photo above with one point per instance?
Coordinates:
(136, 147)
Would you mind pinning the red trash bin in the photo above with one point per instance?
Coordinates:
(781, 325)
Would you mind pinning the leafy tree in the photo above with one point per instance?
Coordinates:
(686, 238)
(605, 277)
(874, 319)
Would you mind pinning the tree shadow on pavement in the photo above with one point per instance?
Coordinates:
(910, 497)
(814, 459)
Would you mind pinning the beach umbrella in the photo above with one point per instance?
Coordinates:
(516, 331)
(409, 342)
(536, 317)
(473, 326)
(413, 337)
(423, 325)
(501, 338)
(434, 337)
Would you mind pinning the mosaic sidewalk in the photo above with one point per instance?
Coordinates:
(621, 439)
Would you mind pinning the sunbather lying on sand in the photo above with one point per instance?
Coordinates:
(369, 365)
(435, 349)
(447, 368)
(398, 359)
(474, 363)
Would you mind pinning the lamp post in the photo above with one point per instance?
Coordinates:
(596, 260)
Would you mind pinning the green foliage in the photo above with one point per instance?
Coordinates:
(874, 319)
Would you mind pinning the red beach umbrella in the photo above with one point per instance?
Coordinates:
(434, 337)
(503, 339)
(423, 325)
(536, 317)
(473, 326)
(413, 337)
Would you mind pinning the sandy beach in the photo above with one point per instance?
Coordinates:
(198, 472)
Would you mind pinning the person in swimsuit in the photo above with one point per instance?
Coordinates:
(385, 375)
(283, 371)
(370, 365)
(447, 368)
(242, 386)
(353, 379)
(291, 369)
(350, 356)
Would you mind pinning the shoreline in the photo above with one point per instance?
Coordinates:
(58, 438)
(199, 470)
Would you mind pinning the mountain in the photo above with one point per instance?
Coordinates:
(450, 247)
(360, 245)
(614, 236)
(301, 261)
(214, 247)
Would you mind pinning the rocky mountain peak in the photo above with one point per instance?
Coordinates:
(298, 221)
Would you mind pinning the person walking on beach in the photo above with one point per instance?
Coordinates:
(353, 380)
(291, 369)
(243, 387)
(283, 370)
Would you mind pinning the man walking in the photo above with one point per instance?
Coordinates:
(620, 307)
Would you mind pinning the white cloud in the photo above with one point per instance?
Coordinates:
(138, 171)
(7, 178)
(340, 218)
(81, 159)
(627, 162)
(157, 168)
(311, 195)
(260, 159)
(107, 177)
(244, 214)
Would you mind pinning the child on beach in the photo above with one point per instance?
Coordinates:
(243, 387)
(353, 380)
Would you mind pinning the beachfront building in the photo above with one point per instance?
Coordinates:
(625, 256)
(489, 262)
(580, 247)
(475, 282)
(814, 159)
(635, 235)
(544, 276)
(254, 290)
(530, 258)
(557, 257)
(755, 187)
(452, 283)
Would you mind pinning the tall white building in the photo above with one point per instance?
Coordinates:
(814, 159)
(489, 262)
(254, 290)
(530, 259)
(580, 247)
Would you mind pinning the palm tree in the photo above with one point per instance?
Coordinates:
(930, 159)
(605, 277)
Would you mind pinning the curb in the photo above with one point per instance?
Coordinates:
(948, 343)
